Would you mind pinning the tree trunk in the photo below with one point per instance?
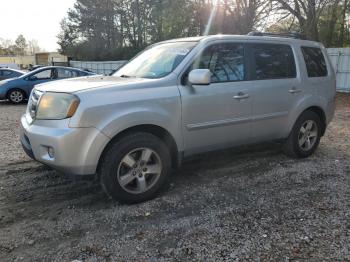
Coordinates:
(332, 23)
(342, 27)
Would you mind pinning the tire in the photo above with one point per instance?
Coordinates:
(16, 96)
(135, 168)
(304, 137)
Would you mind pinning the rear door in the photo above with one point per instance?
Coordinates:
(217, 115)
(276, 88)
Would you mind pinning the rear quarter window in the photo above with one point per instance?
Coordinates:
(315, 61)
(7, 73)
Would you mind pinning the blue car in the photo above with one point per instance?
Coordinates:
(18, 89)
(7, 73)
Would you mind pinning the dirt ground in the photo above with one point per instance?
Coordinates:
(251, 203)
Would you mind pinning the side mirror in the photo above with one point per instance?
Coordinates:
(199, 77)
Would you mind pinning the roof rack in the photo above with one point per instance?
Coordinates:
(295, 35)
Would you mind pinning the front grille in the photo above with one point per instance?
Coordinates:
(33, 103)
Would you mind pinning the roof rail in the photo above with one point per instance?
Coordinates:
(295, 35)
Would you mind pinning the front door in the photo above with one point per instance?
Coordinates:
(43, 76)
(217, 115)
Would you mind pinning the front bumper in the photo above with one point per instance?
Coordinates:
(73, 150)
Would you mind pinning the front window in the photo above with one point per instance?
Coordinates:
(157, 61)
(225, 62)
(42, 75)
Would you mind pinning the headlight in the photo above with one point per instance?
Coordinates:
(57, 106)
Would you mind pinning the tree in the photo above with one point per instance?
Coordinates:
(307, 12)
(345, 8)
(284, 26)
(246, 15)
(21, 45)
(33, 47)
(118, 29)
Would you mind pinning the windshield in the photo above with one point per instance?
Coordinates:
(33, 72)
(157, 61)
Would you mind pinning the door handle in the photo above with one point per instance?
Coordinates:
(294, 90)
(241, 95)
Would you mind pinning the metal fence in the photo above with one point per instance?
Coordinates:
(12, 65)
(340, 59)
(105, 67)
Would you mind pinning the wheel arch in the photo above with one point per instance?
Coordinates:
(321, 114)
(317, 110)
(16, 88)
(155, 130)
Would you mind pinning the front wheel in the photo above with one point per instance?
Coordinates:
(305, 136)
(134, 168)
(16, 96)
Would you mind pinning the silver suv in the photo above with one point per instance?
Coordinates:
(178, 98)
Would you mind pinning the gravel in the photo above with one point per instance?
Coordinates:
(251, 203)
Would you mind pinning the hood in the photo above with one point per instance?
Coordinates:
(83, 83)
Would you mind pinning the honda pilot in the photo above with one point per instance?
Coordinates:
(179, 98)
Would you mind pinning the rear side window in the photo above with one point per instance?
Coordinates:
(7, 73)
(273, 61)
(315, 62)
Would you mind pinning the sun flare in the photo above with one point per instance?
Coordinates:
(212, 16)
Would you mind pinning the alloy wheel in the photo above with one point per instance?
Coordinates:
(16, 96)
(308, 135)
(139, 170)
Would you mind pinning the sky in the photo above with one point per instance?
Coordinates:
(35, 19)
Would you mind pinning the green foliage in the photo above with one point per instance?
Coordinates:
(319, 20)
(118, 29)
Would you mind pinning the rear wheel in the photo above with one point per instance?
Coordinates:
(305, 136)
(16, 96)
(135, 168)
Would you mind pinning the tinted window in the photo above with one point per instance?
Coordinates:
(315, 62)
(273, 61)
(225, 62)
